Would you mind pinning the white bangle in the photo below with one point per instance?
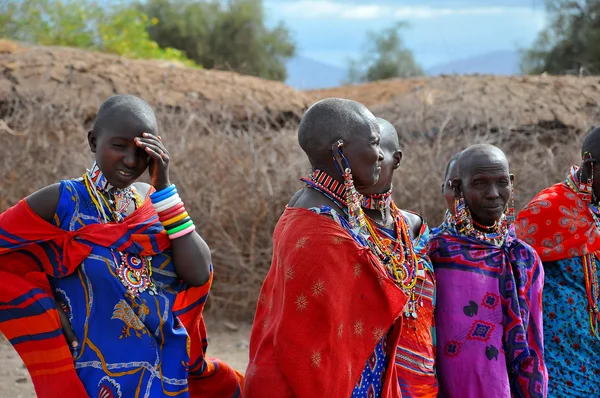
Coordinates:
(167, 203)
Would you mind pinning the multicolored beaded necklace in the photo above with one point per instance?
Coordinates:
(465, 225)
(397, 247)
(401, 268)
(379, 202)
(134, 272)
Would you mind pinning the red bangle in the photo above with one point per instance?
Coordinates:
(167, 214)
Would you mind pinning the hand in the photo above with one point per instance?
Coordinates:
(159, 162)
(66, 326)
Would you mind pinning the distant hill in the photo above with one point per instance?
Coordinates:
(493, 63)
(307, 74)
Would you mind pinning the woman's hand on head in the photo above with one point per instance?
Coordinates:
(159, 159)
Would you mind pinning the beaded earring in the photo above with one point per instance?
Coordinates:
(356, 217)
(462, 216)
(510, 209)
(586, 188)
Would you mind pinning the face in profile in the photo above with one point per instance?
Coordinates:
(364, 155)
(447, 190)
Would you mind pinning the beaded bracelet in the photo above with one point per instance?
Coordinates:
(172, 213)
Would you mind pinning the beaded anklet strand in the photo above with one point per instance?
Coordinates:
(171, 212)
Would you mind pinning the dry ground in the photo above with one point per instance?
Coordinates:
(228, 341)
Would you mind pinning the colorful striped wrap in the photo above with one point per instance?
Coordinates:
(32, 249)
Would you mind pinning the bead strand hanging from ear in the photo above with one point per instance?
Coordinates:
(587, 187)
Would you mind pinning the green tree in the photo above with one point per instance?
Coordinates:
(385, 57)
(228, 35)
(570, 43)
(84, 24)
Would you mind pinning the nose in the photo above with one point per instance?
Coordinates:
(381, 156)
(492, 192)
(131, 157)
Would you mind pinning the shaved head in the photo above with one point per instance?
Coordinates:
(591, 143)
(451, 167)
(389, 136)
(480, 155)
(330, 120)
(119, 109)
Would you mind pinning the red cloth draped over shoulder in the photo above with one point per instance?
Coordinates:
(558, 225)
(32, 249)
(323, 307)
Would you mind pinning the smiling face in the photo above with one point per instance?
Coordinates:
(118, 157)
(486, 185)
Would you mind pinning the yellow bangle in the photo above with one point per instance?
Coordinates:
(175, 219)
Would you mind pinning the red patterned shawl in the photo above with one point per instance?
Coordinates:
(558, 223)
(31, 249)
(324, 305)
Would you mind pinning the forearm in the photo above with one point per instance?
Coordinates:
(191, 258)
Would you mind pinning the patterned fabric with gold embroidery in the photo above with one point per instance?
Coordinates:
(126, 356)
(328, 317)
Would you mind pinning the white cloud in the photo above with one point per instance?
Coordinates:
(313, 9)
(317, 9)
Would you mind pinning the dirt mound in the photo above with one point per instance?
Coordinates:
(370, 94)
(425, 105)
(494, 102)
(68, 77)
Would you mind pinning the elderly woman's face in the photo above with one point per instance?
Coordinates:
(364, 154)
(486, 186)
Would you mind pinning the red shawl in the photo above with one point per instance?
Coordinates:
(324, 305)
(558, 224)
(31, 249)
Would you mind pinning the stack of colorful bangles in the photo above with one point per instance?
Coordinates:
(172, 213)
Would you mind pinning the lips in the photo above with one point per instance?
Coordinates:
(126, 174)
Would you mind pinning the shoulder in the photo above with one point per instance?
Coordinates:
(45, 201)
(309, 198)
(415, 222)
(143, 189)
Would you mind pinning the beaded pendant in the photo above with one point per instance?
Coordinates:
(134, 275)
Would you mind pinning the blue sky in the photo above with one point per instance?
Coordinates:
(440, 31)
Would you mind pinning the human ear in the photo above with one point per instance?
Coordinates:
(397, 159)
(92, 140)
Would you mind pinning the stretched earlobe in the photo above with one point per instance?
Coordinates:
(92, 140)
(456, 187)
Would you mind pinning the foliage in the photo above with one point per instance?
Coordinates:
(222, 35)
(119, 30)
(570, 43)
(385, 56)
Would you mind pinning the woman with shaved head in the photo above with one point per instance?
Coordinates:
(402, 239)
(116, 267)
(562, 224)
(327, 320)
(489, 289)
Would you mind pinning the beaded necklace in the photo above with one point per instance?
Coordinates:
(467, 226)
(379, 202)
(402, 269)
(134, 272)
